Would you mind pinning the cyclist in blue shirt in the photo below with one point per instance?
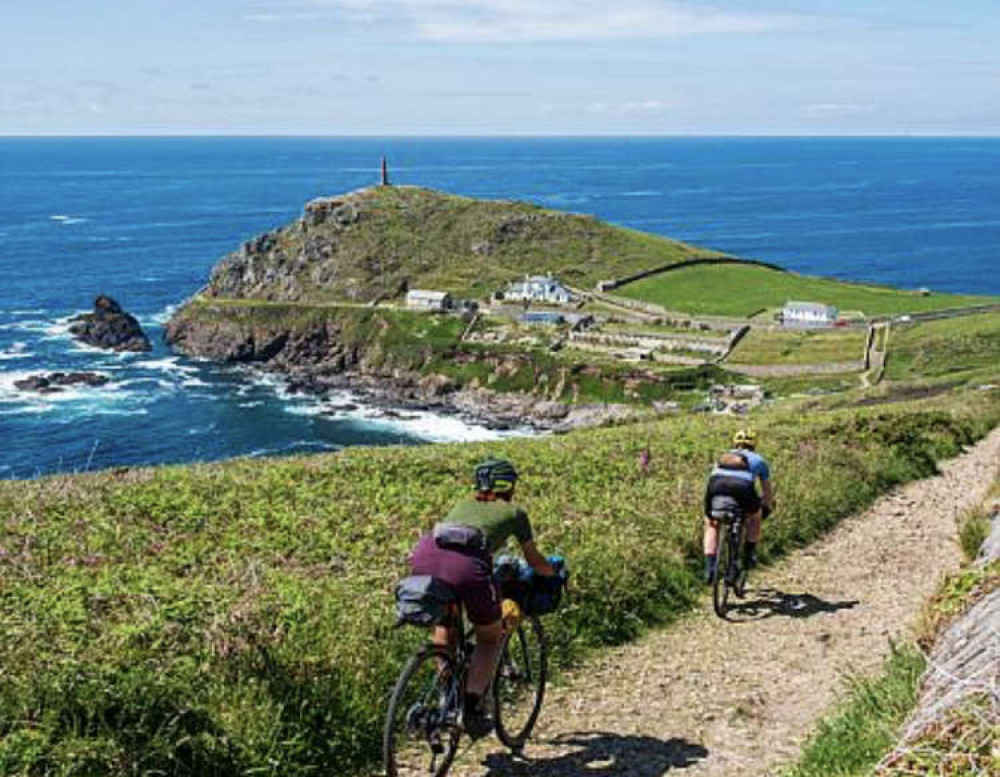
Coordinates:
(737, 476)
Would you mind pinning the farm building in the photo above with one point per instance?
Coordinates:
(539, 288)
(806, 314)
(423, 299)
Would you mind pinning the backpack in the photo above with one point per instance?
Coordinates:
(423, 600)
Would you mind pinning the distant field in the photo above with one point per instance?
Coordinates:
(814, 347)
(739, 290)
(948, 346)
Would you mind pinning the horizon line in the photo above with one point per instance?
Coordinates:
(498, 136)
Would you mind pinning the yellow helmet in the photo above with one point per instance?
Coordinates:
(745, 438)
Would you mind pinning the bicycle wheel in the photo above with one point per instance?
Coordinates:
(421, 729)
(519, 683)
(721, 580)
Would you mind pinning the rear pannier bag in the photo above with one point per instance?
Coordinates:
(423, 600)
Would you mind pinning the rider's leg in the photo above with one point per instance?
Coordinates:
(711, 547)
(753, 537)
(483, 657)
(480, 674)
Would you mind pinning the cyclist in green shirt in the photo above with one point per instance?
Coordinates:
(460, 552)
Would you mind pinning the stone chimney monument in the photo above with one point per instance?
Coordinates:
(384, 180)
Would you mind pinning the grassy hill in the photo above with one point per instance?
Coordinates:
(741, 290)
(947, 347)
(234, 618)
(379, 241)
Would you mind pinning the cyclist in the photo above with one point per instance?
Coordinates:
(460, 552)
(736, 476)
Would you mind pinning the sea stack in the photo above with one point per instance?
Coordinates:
(108, 326)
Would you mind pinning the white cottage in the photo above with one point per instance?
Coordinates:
(808, 314)
(424, 299)
(539, 288)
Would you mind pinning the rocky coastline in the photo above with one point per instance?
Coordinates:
(315, 361)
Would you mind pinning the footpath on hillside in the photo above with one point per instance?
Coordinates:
(706, 696)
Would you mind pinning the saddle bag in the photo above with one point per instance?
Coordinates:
(423, 600)
(724, 508)
(464, 539)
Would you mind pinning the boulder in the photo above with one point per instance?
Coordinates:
(108, 326)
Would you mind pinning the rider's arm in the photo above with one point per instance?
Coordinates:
(538, 562)
(767, 493)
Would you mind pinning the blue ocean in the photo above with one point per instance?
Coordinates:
(145, 219)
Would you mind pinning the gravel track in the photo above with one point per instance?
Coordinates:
(706, 696)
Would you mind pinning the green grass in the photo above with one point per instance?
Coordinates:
(853, 739)
(944, 348)
(418, 238)
(235, 618)
(766, 347)
(740, 290)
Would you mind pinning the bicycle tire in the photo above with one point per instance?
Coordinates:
(720, 588)
(522, 668)
(429, 667)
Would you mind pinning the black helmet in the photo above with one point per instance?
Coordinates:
(495, 475)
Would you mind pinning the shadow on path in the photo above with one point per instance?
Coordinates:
(602, 754)
(769, 602)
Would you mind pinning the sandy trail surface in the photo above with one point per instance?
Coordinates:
(706, 696)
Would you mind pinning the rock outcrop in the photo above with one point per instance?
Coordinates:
(108, 326)
(56, 381)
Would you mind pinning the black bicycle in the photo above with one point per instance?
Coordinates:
(424, 724)
(730, 571)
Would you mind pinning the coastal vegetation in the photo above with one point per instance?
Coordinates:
(953, 347)
(744, 289)
(377, 242)
(236, 618)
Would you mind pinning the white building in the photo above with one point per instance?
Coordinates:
(424, 299)
(808, 314)
(539, 288)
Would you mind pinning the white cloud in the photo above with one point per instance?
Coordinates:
(495, 21)
(636, 108)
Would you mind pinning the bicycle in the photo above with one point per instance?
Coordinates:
(730, 572)
(425, 709)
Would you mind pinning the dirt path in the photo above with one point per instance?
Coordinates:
(681, 699)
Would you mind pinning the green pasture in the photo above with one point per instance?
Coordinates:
(741, 290)
(818, 346)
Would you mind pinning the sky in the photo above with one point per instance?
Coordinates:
(500, 67)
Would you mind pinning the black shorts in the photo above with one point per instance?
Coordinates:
(735, 488)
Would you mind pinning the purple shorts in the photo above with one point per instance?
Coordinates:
(471, 575)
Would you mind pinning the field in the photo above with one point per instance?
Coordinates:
(946, 347)
(826, 346)
(236, 618)
(741, 290)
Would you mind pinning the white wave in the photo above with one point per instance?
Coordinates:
(59, 217)
(58, 329)
(194, 383)
(62, 218)
(93, 396)
(642, 193)
(29, 312)
(18, 350)
(29, 325)
(252, 403)
(159, 319)
(168, 364)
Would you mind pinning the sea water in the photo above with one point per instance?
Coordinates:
(145, 219)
